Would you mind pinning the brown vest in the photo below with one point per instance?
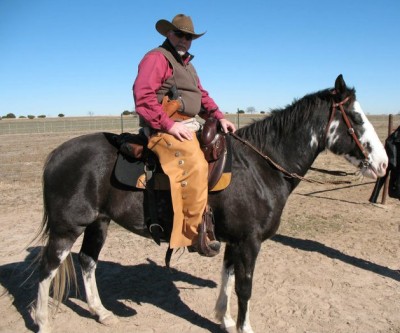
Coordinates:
(185, 79)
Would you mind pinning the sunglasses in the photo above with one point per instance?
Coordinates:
(181, 34)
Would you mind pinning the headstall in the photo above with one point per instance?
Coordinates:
(350, 128)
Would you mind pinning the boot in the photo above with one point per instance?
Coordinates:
(207, 243)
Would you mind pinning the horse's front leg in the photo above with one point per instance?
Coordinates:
(244, 262)
(222, 307)
(94, 238)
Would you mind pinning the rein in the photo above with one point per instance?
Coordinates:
(284, 171)
(350, 130)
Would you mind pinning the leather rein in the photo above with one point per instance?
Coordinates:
(351, 131)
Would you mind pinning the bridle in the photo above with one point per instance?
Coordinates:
(350, 128)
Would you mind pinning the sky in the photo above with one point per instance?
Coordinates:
(80, 57)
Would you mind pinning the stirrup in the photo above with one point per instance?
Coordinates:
(208, 245)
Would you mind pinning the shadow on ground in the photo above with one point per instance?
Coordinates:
(143, 283)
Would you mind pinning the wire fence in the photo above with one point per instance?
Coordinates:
(31, 126)
(25, 143)
(92, 124)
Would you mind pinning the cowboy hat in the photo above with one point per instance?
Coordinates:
(180, 22)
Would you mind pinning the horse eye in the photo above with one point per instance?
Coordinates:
(356, 118)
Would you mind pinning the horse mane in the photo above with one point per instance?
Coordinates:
(283, 121)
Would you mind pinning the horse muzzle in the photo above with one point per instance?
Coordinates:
(370, 171)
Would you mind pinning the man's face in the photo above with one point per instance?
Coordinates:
(180, 40)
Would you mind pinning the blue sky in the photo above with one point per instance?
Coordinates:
(80, 57)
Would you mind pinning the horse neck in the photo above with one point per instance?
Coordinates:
(291, 137)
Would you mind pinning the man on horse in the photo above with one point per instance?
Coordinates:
(168, 95)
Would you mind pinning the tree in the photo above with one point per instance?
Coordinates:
(41, 116)
(251, 109)
(240, 111)
(11, 115)
(61, 115)
(126, 113)
(31, 116)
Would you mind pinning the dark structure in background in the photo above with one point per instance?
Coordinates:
(392, 146)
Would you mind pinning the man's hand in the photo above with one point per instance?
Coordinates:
(227, 126)
(180, 132)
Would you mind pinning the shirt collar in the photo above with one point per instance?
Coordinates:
(183, 60)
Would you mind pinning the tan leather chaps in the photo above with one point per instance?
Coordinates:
(184, 164)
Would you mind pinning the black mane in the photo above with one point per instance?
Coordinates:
(284, 121)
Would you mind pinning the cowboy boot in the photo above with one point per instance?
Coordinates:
(207, 243)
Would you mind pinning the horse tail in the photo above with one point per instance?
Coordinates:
(64, 280)
(66, 274)
(43, 231)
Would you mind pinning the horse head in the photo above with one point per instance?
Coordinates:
(349, 133)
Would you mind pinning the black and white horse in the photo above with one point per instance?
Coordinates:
(81, 195)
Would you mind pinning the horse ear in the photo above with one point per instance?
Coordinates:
(340, 85)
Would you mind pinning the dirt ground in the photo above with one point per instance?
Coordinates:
(332, 268)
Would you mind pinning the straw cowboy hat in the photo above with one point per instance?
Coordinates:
(179, 22)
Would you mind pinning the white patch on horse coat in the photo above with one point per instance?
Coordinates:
(222, 307)
(41, 312)
(314, 141)
(92, 294)
(332, 136)
(246, 325)
(63, 255)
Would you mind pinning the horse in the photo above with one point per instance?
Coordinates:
(81, 195)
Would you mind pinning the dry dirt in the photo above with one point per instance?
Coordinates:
(334, 266)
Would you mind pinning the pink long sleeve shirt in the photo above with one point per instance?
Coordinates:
(153, 70)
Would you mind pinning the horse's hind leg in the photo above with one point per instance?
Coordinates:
(93, 240)
(53, 255)
(222, 307)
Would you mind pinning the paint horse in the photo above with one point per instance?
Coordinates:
(81, 195)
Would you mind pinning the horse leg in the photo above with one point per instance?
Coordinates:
(53, 255)
(222, 307)
(245, 259)
(93, 240)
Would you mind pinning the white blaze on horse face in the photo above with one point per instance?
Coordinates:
(377, 157)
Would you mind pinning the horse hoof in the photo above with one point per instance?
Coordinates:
(109, 320)
(230, 329)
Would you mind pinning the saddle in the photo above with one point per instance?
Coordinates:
(136, 163)
(138, 168)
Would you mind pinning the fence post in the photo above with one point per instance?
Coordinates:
(386, 185)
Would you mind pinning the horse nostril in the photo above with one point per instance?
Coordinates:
(383, 166)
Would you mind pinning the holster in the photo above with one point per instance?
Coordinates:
(171, 107)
